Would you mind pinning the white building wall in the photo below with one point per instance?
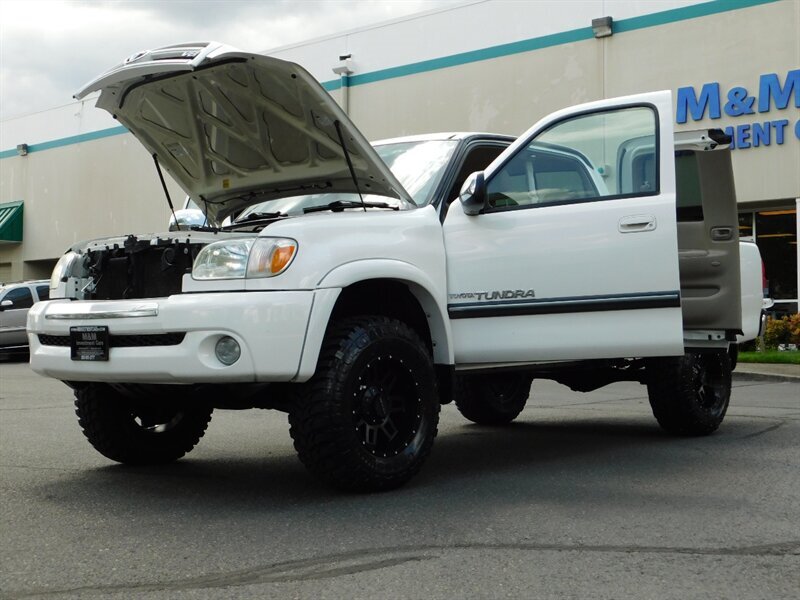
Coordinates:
(471, 26)
(45, 127)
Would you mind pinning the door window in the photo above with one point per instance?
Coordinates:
(575, 161)
(21, 297)
(689, 196)
(43, 291)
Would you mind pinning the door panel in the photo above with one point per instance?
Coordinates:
(708, 241)
(571, 260)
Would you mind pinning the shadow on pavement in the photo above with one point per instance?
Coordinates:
(533, 460)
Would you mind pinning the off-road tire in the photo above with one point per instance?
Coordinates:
(374, 378)
(492, 399)
(138, 433)
(689, 395)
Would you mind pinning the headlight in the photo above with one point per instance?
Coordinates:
(223, 260)
(237, 259)
(63, 268)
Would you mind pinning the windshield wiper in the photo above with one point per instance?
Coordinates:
(254, 218)
(258, 216)
(339, 206)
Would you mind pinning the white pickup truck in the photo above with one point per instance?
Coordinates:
(358, 288)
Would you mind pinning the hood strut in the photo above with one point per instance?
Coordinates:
(349, 162)
(164, 185)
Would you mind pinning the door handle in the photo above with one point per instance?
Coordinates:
(721, 234)
(636, 223)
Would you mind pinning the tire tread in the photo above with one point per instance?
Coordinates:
(108, 425)
(317, 420)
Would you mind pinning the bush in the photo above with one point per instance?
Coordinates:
(785, 330)
(794, 328)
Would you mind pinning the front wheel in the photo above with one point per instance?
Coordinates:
(142, 431)
(689, 395)
(367, 419)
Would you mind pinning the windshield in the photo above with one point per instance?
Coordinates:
(417, 165)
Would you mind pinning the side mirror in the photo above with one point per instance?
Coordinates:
(473, 194)
(186, 218)
(6, 304)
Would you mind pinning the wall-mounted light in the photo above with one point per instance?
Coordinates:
(603, 27)
(345, 66)
(22, 149)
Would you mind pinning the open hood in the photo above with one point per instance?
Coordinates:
(235, 128)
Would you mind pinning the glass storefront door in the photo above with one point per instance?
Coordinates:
(776, 235)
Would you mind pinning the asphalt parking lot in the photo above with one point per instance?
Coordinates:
(582, 497)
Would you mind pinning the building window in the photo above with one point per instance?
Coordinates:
(776, 236)
(745, 225)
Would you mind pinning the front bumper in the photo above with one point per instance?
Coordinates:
(269, 326)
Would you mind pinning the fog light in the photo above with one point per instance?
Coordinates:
(227, 350)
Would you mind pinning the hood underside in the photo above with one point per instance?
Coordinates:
(235, 128)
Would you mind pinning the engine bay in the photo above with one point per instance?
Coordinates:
(132, 267)
(139, 268)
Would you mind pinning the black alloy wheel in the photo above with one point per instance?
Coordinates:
(492, 398)
(367, 419)
(690, 394)
(387, 411)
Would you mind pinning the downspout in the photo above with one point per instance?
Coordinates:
(345, 94)
(344, 70)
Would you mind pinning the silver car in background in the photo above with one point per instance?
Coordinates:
(15, 301)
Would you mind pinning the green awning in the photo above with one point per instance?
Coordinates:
(11, 222)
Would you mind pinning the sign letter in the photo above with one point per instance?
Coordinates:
(689, 102)
(770, 88)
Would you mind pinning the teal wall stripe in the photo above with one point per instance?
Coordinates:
(565, 37)
(685, 13)
(547, 41)
(68, 141)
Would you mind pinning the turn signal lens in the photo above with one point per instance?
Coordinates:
(281, 256)
(270, 257)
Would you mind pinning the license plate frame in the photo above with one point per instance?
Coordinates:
(89, 343)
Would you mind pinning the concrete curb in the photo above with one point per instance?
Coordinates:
(745, 376)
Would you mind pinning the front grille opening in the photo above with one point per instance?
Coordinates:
(122, 340)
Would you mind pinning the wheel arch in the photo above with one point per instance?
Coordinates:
(385, 287)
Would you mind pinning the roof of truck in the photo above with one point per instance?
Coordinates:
(444, 135)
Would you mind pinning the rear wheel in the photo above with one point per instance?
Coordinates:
(492, 399)
(367, 419)
(689, 395)
(138, 431)
(733, 352)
